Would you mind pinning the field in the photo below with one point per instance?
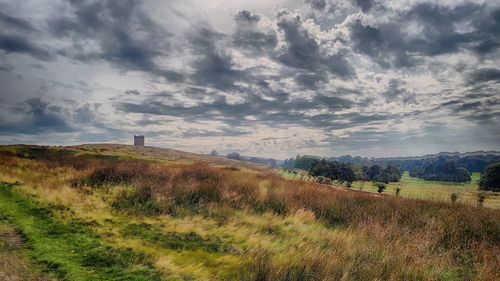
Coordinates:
(420, 189)
(113, 212)
(435, 190)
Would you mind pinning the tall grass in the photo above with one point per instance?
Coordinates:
(405, 234)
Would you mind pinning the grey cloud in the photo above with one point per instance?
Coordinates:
(397, 92)
(132, 92)
(388, 45)
(38, 116)
(227, 132)
(364, 5)
(213, 66)
(7, 67)
(310, 80)
(16, 44)
(250, 37)
(303, 51)
(278, 112)
(15, 22)
(46, 116)
(383, 46)
(127, 36)
(247, 16)
(469, 106)
(317, 4)
(484, 75)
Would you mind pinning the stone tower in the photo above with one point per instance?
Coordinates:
(138, 140)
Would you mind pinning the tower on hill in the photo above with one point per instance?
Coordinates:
(138, 140)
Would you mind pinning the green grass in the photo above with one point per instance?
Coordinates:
(200, 222)
(190, 241)
(70, 250)
(435, 190)
(421, 189)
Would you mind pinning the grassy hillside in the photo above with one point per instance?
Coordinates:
(121, 213)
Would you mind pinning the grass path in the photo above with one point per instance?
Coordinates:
(15, 263)
(70, 251)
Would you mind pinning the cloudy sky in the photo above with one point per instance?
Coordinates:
(260, 77)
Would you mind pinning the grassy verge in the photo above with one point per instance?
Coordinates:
(70, 250)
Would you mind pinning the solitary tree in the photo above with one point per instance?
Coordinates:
(490, 179)
(398, 190)
(480, 199)
(380, 187)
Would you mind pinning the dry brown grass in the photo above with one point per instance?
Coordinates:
(408, 239)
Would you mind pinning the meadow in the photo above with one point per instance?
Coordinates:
(411, 187)
(124, 213)
(436, 190)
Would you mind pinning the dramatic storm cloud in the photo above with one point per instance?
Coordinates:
(268, 78)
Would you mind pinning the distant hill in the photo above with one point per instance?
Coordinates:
(255, 159)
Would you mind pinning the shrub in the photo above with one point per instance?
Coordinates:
(453, 197)
(398, 190)
(490, 179)
(480, 199)
(140, 201)
(380, 186)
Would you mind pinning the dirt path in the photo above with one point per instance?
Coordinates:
(14, 265)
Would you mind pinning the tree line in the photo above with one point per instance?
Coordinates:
(472, 161)
(343, 172)
(442, 170)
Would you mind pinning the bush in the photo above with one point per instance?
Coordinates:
(490, 179)
(398, 190)
(480, 199)
(453, 197)
(380, 186)
(140, 201)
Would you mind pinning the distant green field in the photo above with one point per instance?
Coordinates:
(421, 189)
(436, 190)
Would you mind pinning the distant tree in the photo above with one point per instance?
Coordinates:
(320, 168)
(320, 179)
(234, 155)
(288, 164)
(480, 199)
(333, 170)
(443, 170)
(398, 190)
(490, 179)
(214, 152)
(380, 186)
(374, 172)
(392, 174)
(305, 162)
(389, 174)
(346, 173)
